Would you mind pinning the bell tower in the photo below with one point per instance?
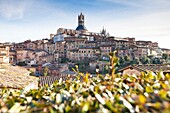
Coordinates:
(81, 19)
(81, 26)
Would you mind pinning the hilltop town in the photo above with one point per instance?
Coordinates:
(76, 70)
(84, 56)
(68, 47)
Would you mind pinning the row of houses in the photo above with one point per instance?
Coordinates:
(80, 44)
(76, 49)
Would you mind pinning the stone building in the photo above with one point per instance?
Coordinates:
(4, 53)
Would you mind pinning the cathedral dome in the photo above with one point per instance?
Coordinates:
(81, 28)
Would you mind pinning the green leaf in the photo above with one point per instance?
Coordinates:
(157, 105)
(99, 98)
(127, 104)
(51, 109)
(149, 89)
(85, 107)
(68, 108)
(16, 108)
(142, 99)
(58, 98)
(163, 94)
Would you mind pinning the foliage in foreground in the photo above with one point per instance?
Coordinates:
(109, 93)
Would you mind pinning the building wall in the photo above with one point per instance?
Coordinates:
(40, 53)
(60, 47)
(31, 45)
(23, 55)
(12, 57)
(84, 54)
(4, 54)
(46, 58)
(105, 50)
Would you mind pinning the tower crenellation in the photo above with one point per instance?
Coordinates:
(81, 19)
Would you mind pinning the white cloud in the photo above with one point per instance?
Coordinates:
(12, 9)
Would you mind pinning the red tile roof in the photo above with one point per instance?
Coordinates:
(149, 67)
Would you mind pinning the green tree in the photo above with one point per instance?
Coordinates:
(105, 69)
(156, 61)
(137, 61)
(121, 60)
(64, 60)
(127, 58)
(145, 60)
(165, 56)
(45, 71)
(159, 61)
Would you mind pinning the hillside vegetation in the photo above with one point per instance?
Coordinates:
(107, 94)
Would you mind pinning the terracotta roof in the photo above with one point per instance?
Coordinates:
(5, 44)
(121, 40)
(143, 41)
(67, 72)
(15, 77)
(149, 67)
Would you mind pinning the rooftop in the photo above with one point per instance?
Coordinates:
(15, 77)
(149, 67)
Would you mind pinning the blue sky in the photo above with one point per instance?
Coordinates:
(36, 19)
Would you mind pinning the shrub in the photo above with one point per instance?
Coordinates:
(45, 71)
(83, 93)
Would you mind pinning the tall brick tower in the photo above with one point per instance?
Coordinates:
(81, 26)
